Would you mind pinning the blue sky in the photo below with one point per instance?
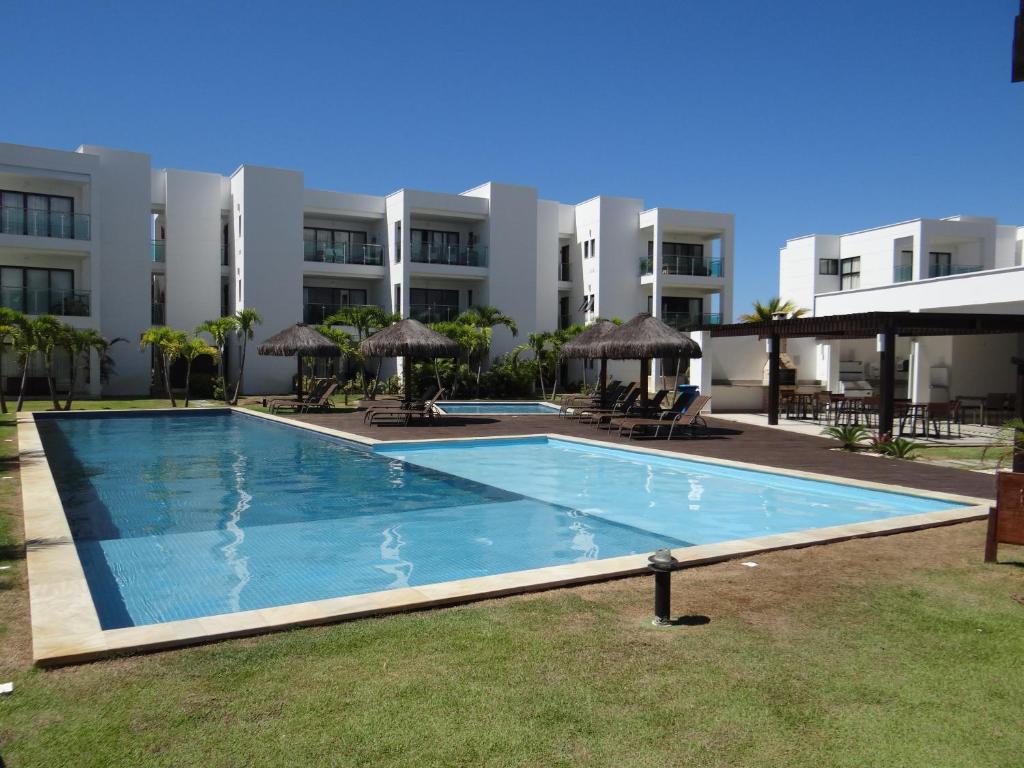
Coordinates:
(797, 116)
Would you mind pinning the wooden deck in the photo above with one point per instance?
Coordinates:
(725, 440)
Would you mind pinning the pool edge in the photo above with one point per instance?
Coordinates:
(66, 629)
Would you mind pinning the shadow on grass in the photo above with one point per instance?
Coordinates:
(694, 620)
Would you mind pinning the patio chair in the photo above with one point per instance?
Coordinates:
(295, 403)
(664, 413)
(689, 419)
(405, 415)
(996, 407)
(391, 405)
(323, 402)
(944, 412)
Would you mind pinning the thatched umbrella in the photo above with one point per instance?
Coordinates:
(302, 341)
(643, 338)
(408, 338)
(587, 344)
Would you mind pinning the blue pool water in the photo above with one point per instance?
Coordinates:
(180, 516)
(497, 408)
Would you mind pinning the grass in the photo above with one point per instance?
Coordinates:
(983, 457)
(903, 650)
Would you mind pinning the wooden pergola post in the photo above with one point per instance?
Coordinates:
(887, 370)
(773, 379)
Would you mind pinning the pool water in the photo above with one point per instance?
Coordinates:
(497, 409)
(181, 516)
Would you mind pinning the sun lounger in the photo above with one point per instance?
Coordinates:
(295, 403)
(690, 419)
(428, 394)
(406, 415)
(323, 402)
(571, 406)
(599, 416)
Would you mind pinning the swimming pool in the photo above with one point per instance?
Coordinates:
(183, 516)
(496, 409)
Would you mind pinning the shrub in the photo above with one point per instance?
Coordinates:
(852, 436)
(898, 448)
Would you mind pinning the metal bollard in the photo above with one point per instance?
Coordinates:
(662, 563)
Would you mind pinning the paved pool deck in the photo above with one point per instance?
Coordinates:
(726, 439)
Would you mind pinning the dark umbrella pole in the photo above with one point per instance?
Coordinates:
(298, 382)
(643, 383)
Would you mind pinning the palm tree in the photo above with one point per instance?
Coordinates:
(166, 342)
(79, 342)
(366, 319)
(11, 321)
(774, 308)
(220, 331)
(539, 344)
(487, 318)
(190, 350)
(247, 319)
(24, 346)
(50, 334)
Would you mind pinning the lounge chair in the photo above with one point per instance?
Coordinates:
(428, 394)
(405, 415)
(296, 403)
(689, 419)
(598, 416)
(614, 400)
(572, 405)
(323, 402)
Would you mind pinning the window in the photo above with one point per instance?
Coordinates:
(903, 267)
(398, 251)
(398, 299)
(940, 264)
(37, 215)
(40, 291)
(433, 305)
(586, 249)
(849, 273)
(593, 249)
(333, 245)
(591, 304)
(319, 303)
(828, 266)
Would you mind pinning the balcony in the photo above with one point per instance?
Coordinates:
(46, 301)
(684, 321)
(682, 265)
(564, 273)
(902, 274)
(433, 313)
(25, 221)
(316, 314)
(158, 251)
(942, 270)
(362, 253)
(157, 314)
(453, 255)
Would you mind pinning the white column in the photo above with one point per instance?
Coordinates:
(656, 293)
(701, 368)
(919, 372)
(920, 253)
(828, 365)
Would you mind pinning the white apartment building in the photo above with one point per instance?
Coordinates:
(101, 239)
(959, 264)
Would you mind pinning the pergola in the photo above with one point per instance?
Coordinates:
(885, 327)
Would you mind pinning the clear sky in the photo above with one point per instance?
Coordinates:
(797, 116)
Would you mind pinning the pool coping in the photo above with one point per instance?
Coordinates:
(66, 627)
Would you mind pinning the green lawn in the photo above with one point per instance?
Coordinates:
(904, 650)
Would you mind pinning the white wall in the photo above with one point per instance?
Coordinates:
(121, 221)
(193, 266)
(269, 263)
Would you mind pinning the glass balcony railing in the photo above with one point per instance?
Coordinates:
(433, 313)
(902, 274)
(683, 265)
(157, 313)
(455, 255)
(564, 272)
(25, 221)
(367, 254)
(158, 251)
(46, 301)
(684, 321)
(937, 270)
(316, 314)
